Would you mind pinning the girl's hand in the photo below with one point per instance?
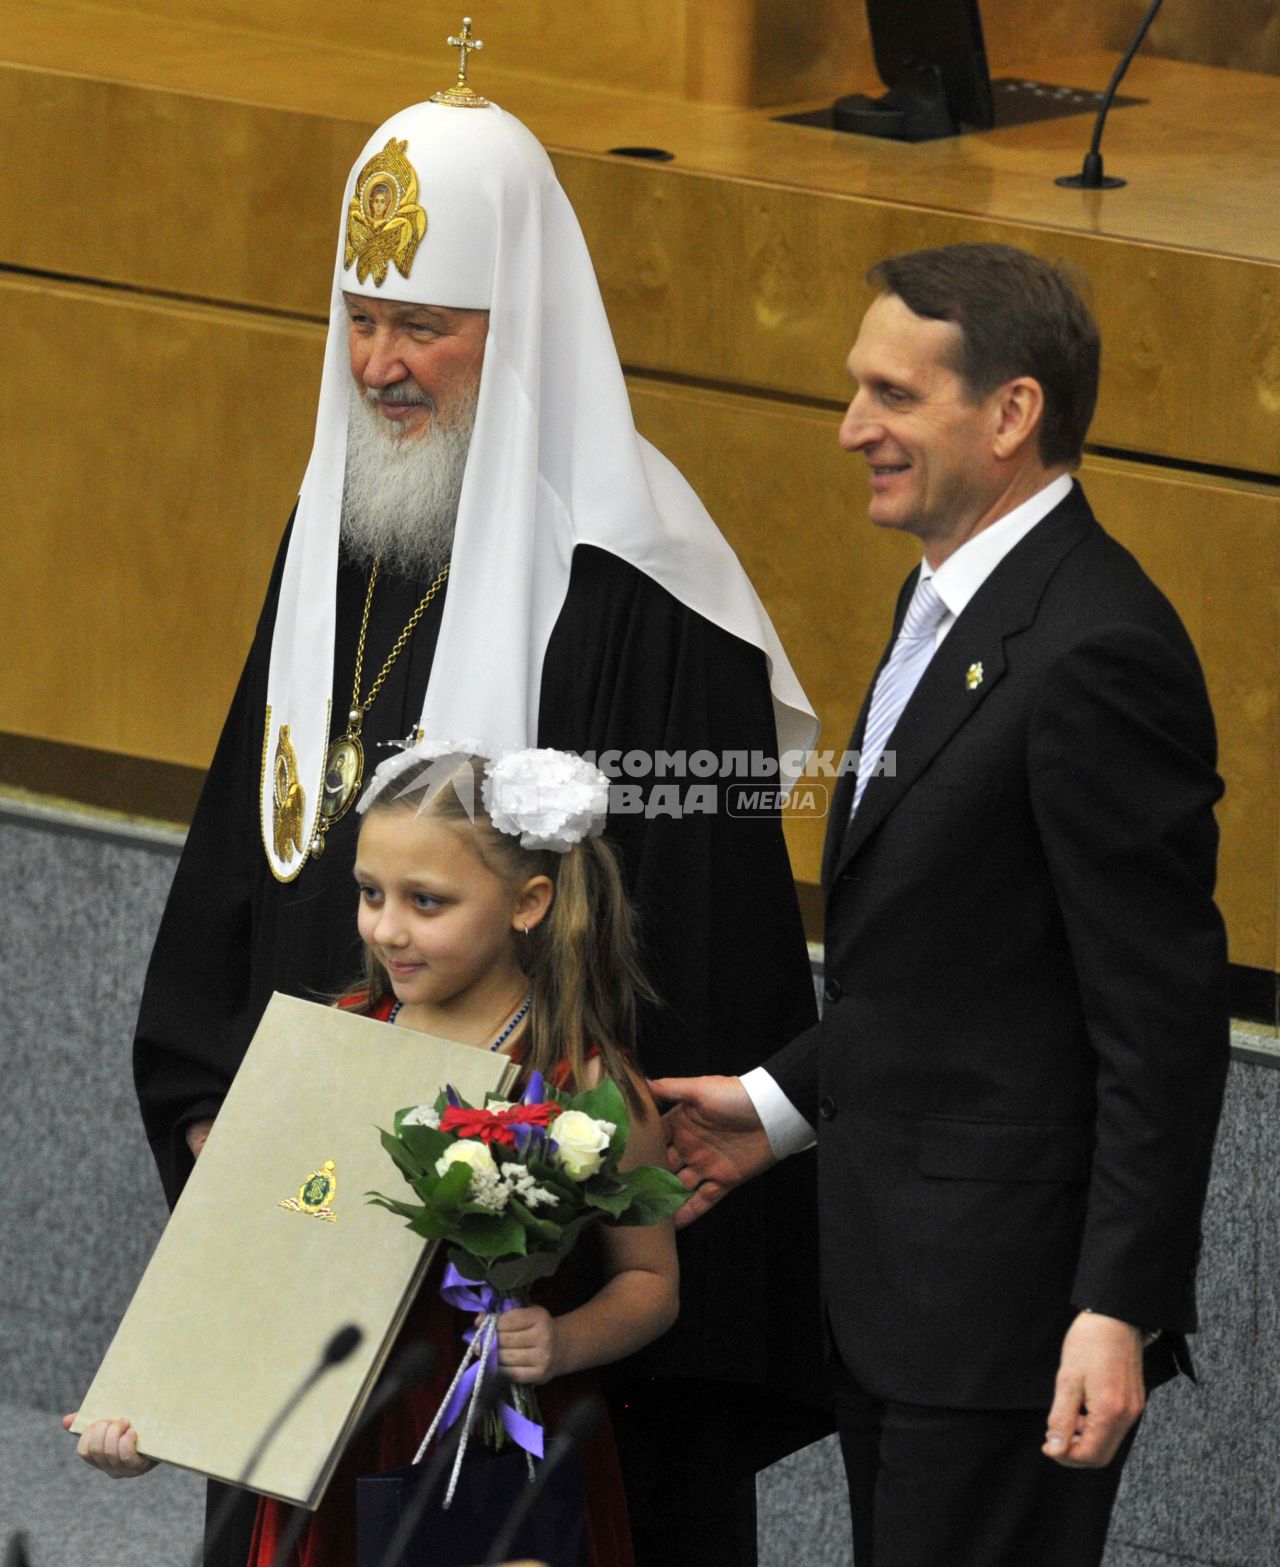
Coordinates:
(527, 1345)
(112, 1446)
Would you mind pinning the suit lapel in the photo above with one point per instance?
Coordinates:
(960, 676)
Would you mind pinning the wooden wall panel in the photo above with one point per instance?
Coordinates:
(609, 43)
(731, 52)
(1214, 547)
(794, 507)
(781, 292)
(150, 463)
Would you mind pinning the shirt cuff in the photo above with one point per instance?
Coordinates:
(787, 1130)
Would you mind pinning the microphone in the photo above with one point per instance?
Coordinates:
(489, 1390)
(414, 1364)
(1091, 176)
(15, 1554)
(339, 1348)
(574, 1430)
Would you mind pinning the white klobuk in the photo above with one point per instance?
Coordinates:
(555, 461)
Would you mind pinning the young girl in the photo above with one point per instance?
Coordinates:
(492, 915)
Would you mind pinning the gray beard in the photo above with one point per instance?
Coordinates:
(400, 494)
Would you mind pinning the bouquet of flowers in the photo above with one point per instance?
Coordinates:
(510, 1186)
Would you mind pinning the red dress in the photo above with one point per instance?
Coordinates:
(391, 1442)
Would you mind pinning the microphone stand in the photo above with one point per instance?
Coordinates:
(1091, 176)
(15, 1554)
(340, 1347)
(414, 1364)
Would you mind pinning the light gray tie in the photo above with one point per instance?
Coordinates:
(899, 677)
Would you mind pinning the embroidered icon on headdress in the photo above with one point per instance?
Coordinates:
(973, 676)
(316, 1194)
(384, 221)
(287, 800)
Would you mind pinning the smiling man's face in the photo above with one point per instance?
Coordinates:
(414, 363)
(927, 440)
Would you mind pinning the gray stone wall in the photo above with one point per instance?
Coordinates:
(80, 1210)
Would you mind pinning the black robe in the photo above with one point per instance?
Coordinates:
(627, 667)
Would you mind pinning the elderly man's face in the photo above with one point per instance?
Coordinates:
(414, 363)
(927, 440)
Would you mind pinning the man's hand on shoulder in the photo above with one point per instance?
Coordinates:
(714, 1138)
(1099, 1392)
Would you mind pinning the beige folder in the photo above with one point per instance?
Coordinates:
(261, 1263)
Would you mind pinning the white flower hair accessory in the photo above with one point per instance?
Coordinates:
(395, 767)
(549, 799)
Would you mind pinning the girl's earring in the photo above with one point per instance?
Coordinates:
(525, 927)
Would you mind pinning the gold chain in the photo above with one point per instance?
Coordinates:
(356, 704)
(344, 761)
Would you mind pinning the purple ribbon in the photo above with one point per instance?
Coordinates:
(475, 1295)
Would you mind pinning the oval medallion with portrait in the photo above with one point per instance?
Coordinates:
(343, 775)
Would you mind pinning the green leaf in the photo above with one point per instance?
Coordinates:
(513, 1275)
(408, 1166)
(449, 1190)
(425, 1143)
(432, 1226)
(548, 1229)
(490, 1234)
(608, 1199)
(406, 1210)
(652, 1194)
(468, 1266)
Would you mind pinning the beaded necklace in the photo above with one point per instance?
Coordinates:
(502, 1037)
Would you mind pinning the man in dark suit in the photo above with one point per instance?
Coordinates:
(1018, 1074)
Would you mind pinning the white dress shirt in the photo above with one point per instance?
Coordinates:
(956, 581)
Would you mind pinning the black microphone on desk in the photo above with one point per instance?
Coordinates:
(491, 1389)
(414, 1364)
(340, 1347)
(574, 1430)
(1091, 176)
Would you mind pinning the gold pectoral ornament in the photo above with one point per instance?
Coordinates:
(385, 224)
(344, 760)
(288, 802)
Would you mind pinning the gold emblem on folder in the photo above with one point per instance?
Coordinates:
(973, 676)
(316, 1194)
(287, 800)
(384, 221)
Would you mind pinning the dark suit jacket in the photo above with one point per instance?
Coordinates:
(1018, 1075)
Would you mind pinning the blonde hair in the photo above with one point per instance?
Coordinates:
(585, 980)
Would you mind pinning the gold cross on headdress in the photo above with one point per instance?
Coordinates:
(460, 95)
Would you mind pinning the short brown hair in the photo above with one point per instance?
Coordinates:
(1018, 315)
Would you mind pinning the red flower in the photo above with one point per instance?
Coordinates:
(531, 1115)
(483, 1124)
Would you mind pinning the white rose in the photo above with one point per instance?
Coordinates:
(583, 1142)
(474, 1155)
